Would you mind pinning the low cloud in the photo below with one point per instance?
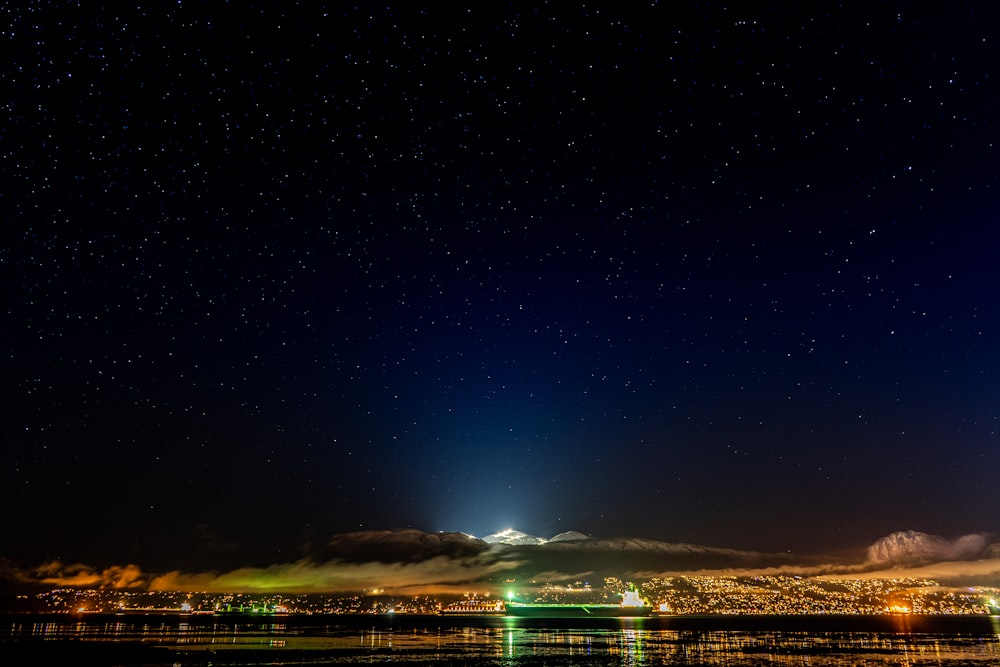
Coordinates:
(435, 575)
(977, 572)
(984, 572)
(78, 575)
(771, 571)
(555, 577)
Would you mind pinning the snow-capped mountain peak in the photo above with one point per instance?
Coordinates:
(910, 546)
(511, 536)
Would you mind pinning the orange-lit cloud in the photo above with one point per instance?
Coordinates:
(78, 575)
(435, 575)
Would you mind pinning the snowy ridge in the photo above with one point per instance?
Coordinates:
(515, 537)
(910, 546)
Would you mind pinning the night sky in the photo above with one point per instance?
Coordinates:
(695, 272)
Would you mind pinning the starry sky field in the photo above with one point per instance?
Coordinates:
(695, 272)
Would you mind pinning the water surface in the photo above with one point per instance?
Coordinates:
(735, 641)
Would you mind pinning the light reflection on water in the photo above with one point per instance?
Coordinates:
(511, 642)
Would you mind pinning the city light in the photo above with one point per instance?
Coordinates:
(679, 595)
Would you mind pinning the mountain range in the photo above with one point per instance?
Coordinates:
(572, 555)
(415, 561)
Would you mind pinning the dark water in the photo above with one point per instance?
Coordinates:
(420, 640)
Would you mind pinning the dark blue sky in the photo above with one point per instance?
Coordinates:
(681, 270)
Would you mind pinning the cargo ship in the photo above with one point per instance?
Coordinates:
(631, 605)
